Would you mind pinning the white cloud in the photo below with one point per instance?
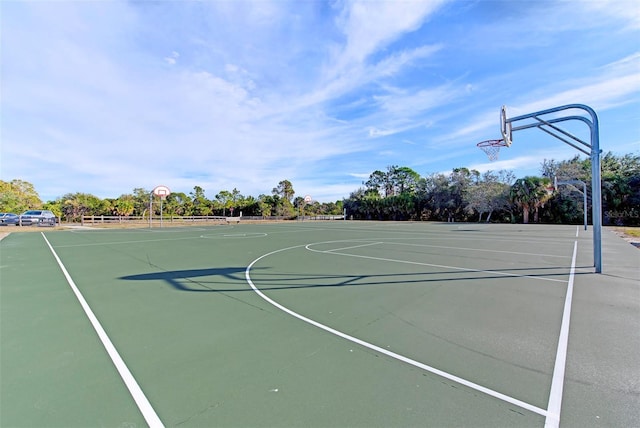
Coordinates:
(599, 95)
(507, 164)
(360, 175)
(413, 103)
(375, 132)
(622, 10)
(616, 84)
(368, 26)
(110, 95)
(172, 59)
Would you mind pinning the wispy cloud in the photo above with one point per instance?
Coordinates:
(610, 86)
(172, 59)
(102, 97)
(370, 26)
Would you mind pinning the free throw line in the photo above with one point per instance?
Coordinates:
(134, 389)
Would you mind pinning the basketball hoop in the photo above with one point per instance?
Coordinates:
(162, 192)
(492, 148)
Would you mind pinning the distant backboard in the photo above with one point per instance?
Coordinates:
(161, 191)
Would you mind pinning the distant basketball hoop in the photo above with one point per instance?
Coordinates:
(162, 192)
(492, 148)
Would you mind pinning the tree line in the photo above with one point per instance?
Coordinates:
(465, 195)
(397, 193)
(18, 195)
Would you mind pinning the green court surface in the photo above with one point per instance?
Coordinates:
(319, 324)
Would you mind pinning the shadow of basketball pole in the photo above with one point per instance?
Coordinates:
(232, 279)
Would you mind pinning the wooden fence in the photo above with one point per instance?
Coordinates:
(178, 220)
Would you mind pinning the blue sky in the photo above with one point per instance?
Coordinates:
(105, 96)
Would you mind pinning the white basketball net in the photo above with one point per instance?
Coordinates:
(492, 152)
(492, 148)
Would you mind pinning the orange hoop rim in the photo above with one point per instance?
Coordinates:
(493, 143)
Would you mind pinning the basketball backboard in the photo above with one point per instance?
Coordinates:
(505, 127)
(161, 191)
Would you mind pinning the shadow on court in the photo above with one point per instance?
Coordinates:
(193, 279)
(232, 279)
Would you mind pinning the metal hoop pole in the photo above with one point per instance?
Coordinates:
(596, 193)
(596, 180)
(150, 208)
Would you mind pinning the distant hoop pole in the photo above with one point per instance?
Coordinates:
(162, 192)
(584, 194)
(591, 148)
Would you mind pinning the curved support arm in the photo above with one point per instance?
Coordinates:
(594, 146)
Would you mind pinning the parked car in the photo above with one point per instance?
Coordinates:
(8, 218)
(37, 218)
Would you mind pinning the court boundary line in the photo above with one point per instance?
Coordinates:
(149, 414)
(554, 405)
(138, 241)
(402, 358)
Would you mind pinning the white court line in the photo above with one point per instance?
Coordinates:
(138, 241)
(555, 396)
(493, 272)
(178, 229)
(236, 235)
(354, 246)
(136, 392)
(461, 381)
(472, 249)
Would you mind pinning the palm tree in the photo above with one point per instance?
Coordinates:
(530, 193)
(542, 193)
(124, 206)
